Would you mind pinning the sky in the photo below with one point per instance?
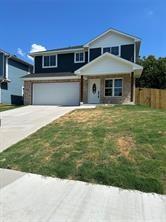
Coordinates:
(34, 25)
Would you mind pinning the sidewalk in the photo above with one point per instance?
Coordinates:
(29, 197)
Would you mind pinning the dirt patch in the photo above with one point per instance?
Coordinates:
(82, 116)
(125, 144)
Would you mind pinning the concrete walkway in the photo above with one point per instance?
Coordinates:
(34, 198)
(16, 124)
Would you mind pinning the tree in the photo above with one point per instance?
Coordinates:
(154, 73)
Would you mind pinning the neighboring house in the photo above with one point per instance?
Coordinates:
(12, 69)
(100, 71)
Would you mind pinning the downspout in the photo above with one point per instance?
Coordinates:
(7, 66)
(132, 86)
(5, 79)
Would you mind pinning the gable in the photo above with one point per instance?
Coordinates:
(111, 39)
(108, 64)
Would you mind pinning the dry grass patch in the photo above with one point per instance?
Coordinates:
(79, 163)
(125, 145)
(82, 116)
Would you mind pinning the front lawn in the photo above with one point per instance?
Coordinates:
(4, 107)
(122, 146)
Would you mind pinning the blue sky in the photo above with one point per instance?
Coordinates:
(30, 24)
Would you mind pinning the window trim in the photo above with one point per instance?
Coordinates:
(113, 86)
(75, 57)
(119, 47)
(43, 66)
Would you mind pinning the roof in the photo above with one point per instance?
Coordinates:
(133, 67)
(42, 75)
(77, 47)
(65, 48)
(15, 58)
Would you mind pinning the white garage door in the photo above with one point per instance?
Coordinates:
(56, 93)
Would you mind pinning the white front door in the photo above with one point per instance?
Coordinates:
(94, 91)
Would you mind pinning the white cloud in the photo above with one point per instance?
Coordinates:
(20, 52)
(36, 48)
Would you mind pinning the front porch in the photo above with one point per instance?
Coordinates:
(108, 79)
(88, 95)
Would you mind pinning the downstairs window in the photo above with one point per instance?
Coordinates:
(113, 87)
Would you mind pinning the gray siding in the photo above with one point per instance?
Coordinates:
(65, 64)
(15, 71)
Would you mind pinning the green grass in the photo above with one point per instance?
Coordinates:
(122, 146)
(4, 107)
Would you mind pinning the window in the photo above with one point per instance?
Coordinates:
(113, 50)
(94, 88)
(117, 87)
(4, 85)
(113, 87)
(79, 57)
(108, 87)
(50, 61)
(107, 49)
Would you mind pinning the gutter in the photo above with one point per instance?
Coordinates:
(55, 52)
(51, 78)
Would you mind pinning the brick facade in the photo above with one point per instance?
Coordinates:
(125, 98)
(28, 87)
(27, 92)
(126, 94)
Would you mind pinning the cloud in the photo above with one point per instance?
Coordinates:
(35, 48)
(20, 52)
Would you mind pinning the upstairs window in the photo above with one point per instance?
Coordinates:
(49, 61)
(79, 57)
(113, 50)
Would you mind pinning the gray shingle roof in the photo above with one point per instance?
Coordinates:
(65, 48)
(59, 74)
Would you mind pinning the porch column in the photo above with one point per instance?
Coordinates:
(81, 89)
(132, 86)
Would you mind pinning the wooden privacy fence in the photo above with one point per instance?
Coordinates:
(155, 98)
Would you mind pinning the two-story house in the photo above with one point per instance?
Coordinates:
(12, 69)
(100, 71)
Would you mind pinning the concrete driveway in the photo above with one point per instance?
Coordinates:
(28, 197)
(16, 124)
